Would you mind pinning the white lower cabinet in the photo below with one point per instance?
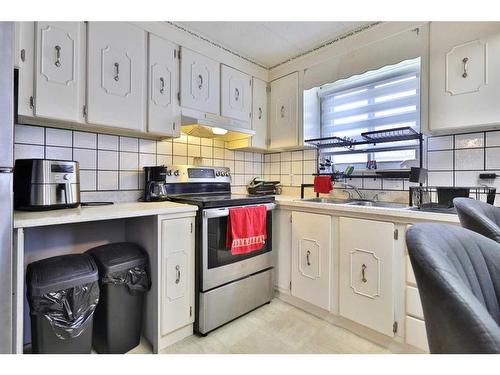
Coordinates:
(177, 274)
(416, 334)
(311, 252)
(366, 293)
(282, 249)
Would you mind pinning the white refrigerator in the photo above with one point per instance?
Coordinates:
(6, 195)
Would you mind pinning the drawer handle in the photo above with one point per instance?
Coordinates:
(199, 81)
(162, 85)
(260, 113)
(308, 254)
(465, 61)
(282, 111)
(236, 94)
(177, 274)
(363, 276)
(58, 56)
(117, 72)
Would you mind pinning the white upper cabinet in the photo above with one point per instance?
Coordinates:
(116, 78)
(366, 273)
(311, 258)
(284, 127)
(200, 82)
(236, 95)
(259, 114)
(59, 70)
(163, 80)
(464, 76)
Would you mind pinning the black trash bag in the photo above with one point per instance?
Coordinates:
(69, 311)
(136, 279)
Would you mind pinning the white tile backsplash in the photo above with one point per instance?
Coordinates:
(147, 146)
(33, 135)
(84, 140)
(493, 158)
(440, 179)
(475, 140)
(107, 160)
(440, 160)
(493, 139)
(129, 161)
(164, 147)
(22, 151)
(179, 149)
(58, 153)
(472, 159)
(440, 143)
(147, 160)
(129, 180)
(129, 144)
(86, 158)
(107, 180)
(58, 137)
(88, 180)
(107, 142)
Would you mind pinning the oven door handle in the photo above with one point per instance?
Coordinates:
(221, 212)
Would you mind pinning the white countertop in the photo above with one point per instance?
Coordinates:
(26, 219)
(404, 214)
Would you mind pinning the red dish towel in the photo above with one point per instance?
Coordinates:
(246, 229)
(322, 184)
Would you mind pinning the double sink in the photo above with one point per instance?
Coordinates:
(356, 202)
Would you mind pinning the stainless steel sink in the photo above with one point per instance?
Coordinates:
(370, 203)
(326, 200)
(356, 202)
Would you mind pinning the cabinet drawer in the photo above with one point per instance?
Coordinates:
(410, 275)
(416, 335)
(413, 304)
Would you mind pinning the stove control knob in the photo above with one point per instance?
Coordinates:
(169, 172)
(66, 177)
(228, 174)
(176, 173)
(218, 174)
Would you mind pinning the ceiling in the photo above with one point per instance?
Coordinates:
(271, 43)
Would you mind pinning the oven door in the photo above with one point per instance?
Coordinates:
(219, 265)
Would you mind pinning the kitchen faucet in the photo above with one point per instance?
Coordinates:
(346, 185)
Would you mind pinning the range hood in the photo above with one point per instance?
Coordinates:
(208, 125)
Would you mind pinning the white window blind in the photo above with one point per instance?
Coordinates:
(377, 100)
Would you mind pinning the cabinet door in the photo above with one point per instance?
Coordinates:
(163, 74)
(366, 273)
(311, 251)
(284, 129)
(59, 70)
(236, 95)
(200, 82)
(464, 80)
(282, 249)
(177, 278)
(25, 49)
(116, 75)
(259, 114)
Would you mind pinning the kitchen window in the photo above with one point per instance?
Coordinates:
(376, 100)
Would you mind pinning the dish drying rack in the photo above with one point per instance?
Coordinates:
(373, 139)
(426, 197)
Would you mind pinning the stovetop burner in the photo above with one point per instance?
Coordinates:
(220, 199)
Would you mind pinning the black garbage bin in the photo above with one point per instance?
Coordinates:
(123, 280)
(63, 293)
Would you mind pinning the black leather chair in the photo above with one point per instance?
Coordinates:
(478, 216)
(458, 277)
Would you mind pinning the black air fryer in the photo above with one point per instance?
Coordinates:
(154, 184)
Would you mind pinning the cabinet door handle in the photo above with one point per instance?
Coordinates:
(162, 85)
(308, 254)
(117, 72)
(465, 61)
(199, 81)
(260, 113)
(363, 276)
(177, 274)
(236, 94)
(282, 111)
(58, 56)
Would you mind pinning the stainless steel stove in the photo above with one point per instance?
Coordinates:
(227, 286)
